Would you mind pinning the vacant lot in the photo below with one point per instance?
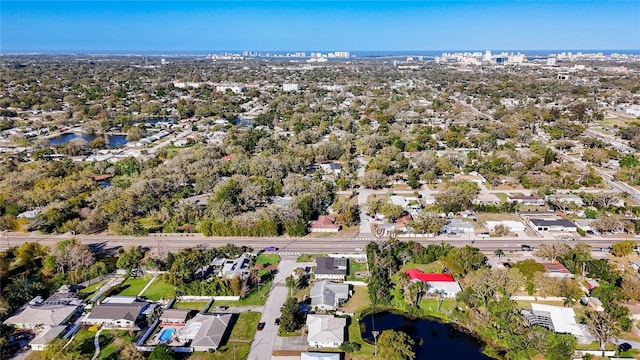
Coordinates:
(133, 286)
(159, 290)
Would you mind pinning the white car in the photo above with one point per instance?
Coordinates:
(359, 249)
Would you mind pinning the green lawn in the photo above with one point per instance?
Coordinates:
(159, 290)
(133, 286)
(434, 267)
(430, 307)
(254, 298)
(189, 305)
(225, 352)
(245, 327)
(355, 267)
(82, 343)
(308, 257)
(270, 259)
(88, 292)
(112, 341)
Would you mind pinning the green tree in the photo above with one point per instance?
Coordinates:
(290, 319)
(161, 352)
(623, 248)
(395, 345)
(463, 260)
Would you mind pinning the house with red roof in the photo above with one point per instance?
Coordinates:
(444, 284)
(325, 223)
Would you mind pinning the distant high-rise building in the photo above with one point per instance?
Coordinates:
(487, 56)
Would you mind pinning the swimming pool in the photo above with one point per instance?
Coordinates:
(166, 334)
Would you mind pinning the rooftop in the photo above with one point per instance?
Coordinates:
(415, 274)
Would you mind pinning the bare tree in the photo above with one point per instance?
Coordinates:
(552, 251)
(602, 326)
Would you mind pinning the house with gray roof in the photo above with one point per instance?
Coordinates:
(45, 335)
(329, 295)
(118, 315)
(330, 268)
(557, 224)
(205, 331)
(325, 330)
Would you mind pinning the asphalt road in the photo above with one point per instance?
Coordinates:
(262, 345)
(286, 245)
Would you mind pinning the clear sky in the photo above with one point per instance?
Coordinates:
(317, 25)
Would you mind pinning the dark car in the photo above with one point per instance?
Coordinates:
(278, 321)
(525, 247)
(271, 248)
(624, 347)
(261, 326)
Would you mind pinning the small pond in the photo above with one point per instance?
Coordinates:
(434, 339)
(114, 140)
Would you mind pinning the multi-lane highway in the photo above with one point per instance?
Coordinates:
(285, 244)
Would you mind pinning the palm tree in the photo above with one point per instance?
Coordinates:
(290, 283)
(499, 253)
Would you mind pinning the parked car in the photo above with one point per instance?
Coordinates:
(277, 321)
(261, 326)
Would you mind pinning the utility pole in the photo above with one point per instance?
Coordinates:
(375, 340)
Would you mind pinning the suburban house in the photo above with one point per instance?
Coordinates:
(235, 267)
(511, 225)
(486, 199)
(404, 223)
(559, 319)
(320, 356)
(34, 316)
(557, 224)
(174, 317)
(325, 330)
(566, 199)
(410, 204)
(456, 226)
(46, 334)
(330, 268)
(328, 295)
(443, 284)
(205, 331)
(331, 168)
(526, 200)
(592, 284)
(117, 311)
(325, 223)
(556, 270)
(592, 302)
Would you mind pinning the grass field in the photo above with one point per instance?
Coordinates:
(189, 305)
(245, 327)
(111, 342)
(88, 292)
(355, 267)
(434, 267)
(159, 290)
(255, 298)
(308, 257)
(226, 352)
(133, 286)
(270, 259)
(359, 300)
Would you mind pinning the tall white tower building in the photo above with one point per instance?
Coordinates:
(487, 56)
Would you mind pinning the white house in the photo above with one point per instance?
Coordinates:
(325, 330)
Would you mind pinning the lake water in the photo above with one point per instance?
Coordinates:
(114, 140)
(434, 339)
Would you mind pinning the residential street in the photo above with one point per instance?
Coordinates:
(262, 345)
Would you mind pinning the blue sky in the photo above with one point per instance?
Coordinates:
(317, 25)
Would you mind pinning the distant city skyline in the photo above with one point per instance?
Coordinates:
(201, 26)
